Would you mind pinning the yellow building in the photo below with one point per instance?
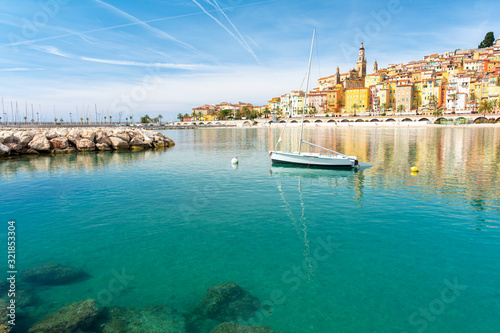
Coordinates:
(357, 100)
(430, 88)
(372, 79)
(416, 77)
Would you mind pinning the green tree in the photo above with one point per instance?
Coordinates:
(180, 116)
(417, 102)
(145, 119)
(433, 101)
(495, 104)
(486, 106)
(160, 117)
(384, 107)
(355, 107)
(401, 108)
(453, 98)
(488, 40)
(473, 99)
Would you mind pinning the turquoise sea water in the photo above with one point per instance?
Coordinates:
(373, 250)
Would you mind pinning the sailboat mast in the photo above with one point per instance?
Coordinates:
(307, 88)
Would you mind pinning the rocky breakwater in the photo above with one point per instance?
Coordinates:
(15, 142)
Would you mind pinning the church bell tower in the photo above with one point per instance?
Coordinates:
(361, 62)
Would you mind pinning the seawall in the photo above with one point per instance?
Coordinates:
(35, 141)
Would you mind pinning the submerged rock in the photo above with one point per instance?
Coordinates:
(76, 317)
(4, 320)
(226, 302)
(154, 319)
(52, 274)
(4, 287)
(236, 328)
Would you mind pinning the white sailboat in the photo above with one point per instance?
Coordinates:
(329, 159)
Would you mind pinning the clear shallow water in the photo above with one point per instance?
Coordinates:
(182, 220)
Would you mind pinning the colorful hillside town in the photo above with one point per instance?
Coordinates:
(458, 82)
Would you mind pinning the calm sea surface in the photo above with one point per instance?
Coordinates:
(376, 250)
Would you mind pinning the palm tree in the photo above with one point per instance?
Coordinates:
(180, 116)
(81, 120)
(473, 99)
(25, 119)
(160, 117)
(384, 107)
(355, 107)
(110, 117)
(485, 107)
(495, 103)
(401, 108)
(433, 100)
(417, 102)
(105, 118)
(87, 120)
(453, 98)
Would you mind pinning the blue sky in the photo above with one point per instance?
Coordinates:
(165, 57)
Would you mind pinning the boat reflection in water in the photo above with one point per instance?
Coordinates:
(295, 208)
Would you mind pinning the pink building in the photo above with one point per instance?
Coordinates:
(317, 100)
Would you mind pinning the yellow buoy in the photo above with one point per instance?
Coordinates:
(414, 169)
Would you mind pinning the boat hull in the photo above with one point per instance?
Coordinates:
(313, 160)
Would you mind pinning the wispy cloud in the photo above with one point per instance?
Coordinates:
(156, 31)
(57, 52)
(240, 39)
(19, 69)
(143, 64)
(50, 50)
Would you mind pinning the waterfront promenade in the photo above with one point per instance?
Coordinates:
(410, 120)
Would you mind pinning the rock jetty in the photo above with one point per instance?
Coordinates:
(36, 141)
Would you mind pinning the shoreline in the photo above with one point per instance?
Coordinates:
(16, 142)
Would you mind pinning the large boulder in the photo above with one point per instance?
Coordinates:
(227, 302)
(121, 135)
(76, 317)
(118, 144)
(23, 138)
(137, 143)
(85, 145)
(14, 147)
(102, 137)
(103, 147)
(237, 328)
(154, 319)
(59, 143)
(4, 150)
(52, 274)
(88, 134)
(51, 134)
(6, 137)
(73, 136)
(39, 143)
